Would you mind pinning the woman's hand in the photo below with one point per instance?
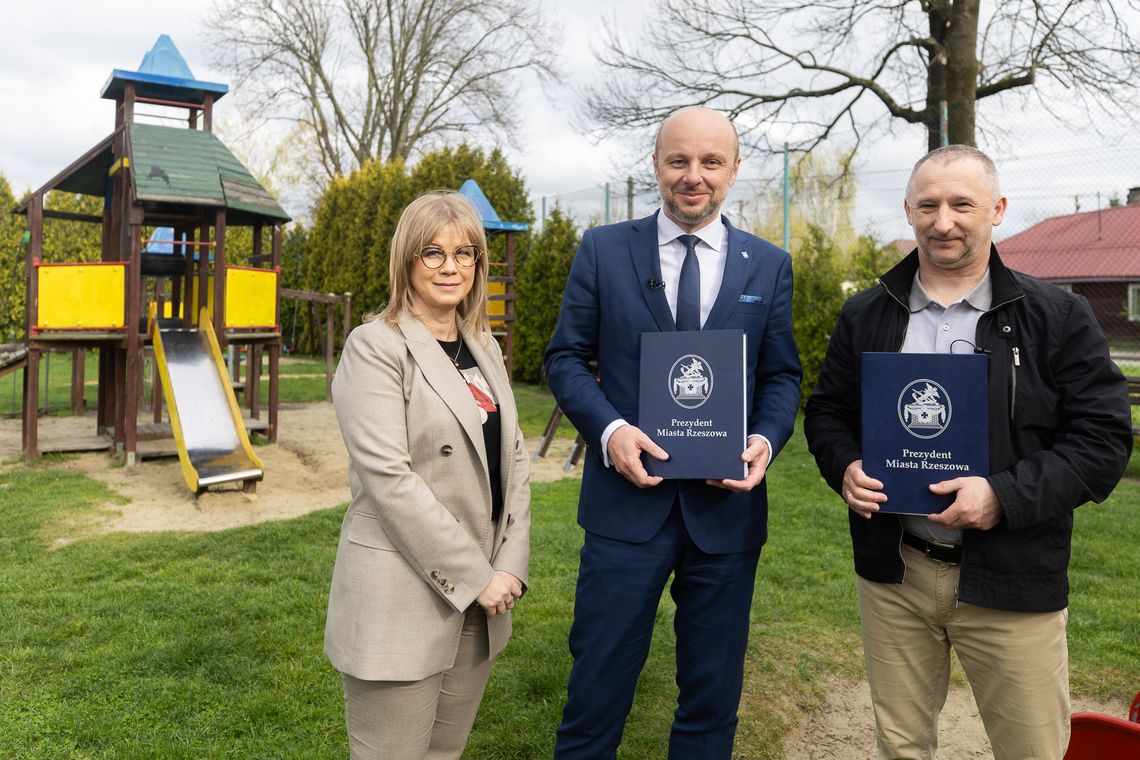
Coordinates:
(500, 594)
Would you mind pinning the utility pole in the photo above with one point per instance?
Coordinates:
(629, 197)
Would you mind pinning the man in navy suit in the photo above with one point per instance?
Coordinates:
(627, 279)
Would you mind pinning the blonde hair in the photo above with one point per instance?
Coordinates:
(418, 224)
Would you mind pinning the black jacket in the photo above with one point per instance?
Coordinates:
(1060, 431)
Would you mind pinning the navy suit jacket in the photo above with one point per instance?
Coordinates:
(607, 305)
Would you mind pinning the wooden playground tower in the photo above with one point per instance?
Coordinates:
(152, 176)
(501, 274)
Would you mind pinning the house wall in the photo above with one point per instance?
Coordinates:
(1109, 302)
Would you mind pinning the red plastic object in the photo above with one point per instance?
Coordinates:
(1097, 736)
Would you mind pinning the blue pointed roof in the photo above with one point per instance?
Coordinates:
(164, 75)
(487, 213)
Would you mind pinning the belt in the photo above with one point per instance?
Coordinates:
(948, 553)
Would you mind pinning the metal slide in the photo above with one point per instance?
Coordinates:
(213, 446)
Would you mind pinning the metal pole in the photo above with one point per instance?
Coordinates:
(787, 192)
(544, 212)
(944, 122)
(629, 197)
(607, 219)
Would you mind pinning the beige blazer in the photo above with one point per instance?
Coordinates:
(417, 546)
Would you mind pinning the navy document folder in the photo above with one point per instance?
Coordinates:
(925, 420)
(692, 402)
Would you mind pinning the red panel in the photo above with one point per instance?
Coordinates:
(1103, 737)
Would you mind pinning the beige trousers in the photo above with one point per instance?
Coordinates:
(1016, 663)
(421, 720)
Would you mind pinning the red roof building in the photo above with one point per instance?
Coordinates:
(1093, 253)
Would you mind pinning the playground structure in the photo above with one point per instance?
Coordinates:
(150, 176)
(500, 286)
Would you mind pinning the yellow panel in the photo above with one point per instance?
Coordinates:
(251, 297)
(87, 296)
(496, 308)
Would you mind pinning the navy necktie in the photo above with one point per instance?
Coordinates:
(689, 287)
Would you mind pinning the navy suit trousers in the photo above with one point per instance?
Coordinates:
(619, 588)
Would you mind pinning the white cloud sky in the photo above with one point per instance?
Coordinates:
(57, 54)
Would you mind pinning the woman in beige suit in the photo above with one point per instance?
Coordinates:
(434, 548)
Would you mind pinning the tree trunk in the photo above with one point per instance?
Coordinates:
(962, 70)
(936, 76)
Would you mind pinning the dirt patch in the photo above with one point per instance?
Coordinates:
(843, 727)
(306, 470)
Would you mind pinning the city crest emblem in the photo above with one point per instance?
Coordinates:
(690, 381)
(924, 409)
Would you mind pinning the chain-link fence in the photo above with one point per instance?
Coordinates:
(1073, 218)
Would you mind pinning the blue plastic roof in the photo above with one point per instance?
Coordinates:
(165, 75)
(163, 234)
(487, 213)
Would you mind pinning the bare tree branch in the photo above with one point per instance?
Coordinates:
(383, 78)
(793, 70)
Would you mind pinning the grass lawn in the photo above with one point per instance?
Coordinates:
(209, 645)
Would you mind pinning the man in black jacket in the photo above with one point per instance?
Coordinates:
(988, 575)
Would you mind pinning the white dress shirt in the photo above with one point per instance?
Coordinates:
(712, 252)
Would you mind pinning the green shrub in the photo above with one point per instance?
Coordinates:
(347, 246)
(817, 300)
(540, 284)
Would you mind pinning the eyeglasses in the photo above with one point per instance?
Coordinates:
(434, 258)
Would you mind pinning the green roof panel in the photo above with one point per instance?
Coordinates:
(173, 165)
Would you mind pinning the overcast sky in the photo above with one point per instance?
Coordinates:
(57, 55)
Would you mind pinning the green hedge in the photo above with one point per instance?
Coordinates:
(347, 247)
(540, 285)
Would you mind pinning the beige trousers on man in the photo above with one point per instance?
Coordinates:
(421, 720)
(1016, 662)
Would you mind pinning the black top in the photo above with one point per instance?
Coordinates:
(457, 351)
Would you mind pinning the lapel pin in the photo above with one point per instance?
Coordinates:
(744, 254)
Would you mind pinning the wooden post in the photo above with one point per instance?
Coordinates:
(275, 345)
(31, 404)
(119, 380)
(106, 251)
(347, 315)
(31, 420)
(248, 378)
(128, 103)
(177, 281)
(32, 260)
(208, 113)
(236, 373)
(253, 384)
(103, 400)
(78, 365)
(330, 335)
(134, 364)
(203, 270)
(220, 277)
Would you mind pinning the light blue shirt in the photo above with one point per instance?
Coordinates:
(937, 329)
